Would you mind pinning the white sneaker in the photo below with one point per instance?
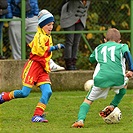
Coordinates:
(54, 67)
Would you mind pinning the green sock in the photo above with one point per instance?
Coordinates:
(84, 108)
(118, 97)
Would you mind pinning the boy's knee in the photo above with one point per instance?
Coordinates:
(23, 94)
(49, 93)
(45, 98)
(122, 91)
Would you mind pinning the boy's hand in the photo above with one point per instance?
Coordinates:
(60, 46)
(129, 74)
(56, 47)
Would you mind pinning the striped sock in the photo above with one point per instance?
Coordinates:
(8, 96)
(39, 109)
(84, 108)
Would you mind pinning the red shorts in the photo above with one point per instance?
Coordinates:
(34, 74)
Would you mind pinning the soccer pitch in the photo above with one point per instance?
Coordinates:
(62, 111)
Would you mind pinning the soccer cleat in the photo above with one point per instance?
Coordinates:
(39, 119)
(106, 111)
(78, 124)
(1, 99)
(54, 67)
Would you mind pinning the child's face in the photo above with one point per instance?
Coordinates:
(48, 28)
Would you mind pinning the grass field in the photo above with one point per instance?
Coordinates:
(62, 110)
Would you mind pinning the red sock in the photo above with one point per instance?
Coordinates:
(8, 96)
(39, 109)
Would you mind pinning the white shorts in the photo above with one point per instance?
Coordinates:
(97, 92)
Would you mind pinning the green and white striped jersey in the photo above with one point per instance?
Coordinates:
(110, 69)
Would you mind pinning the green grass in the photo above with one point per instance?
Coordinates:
(15, 116)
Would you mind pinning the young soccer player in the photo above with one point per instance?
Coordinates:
(37, 68)
(109, 73)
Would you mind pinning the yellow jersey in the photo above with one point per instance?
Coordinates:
(40, 47)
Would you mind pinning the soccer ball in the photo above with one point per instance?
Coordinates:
(114, 117)
(88, 85)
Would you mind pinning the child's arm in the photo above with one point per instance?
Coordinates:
(129, 60)
(92, 58)
(56, 47)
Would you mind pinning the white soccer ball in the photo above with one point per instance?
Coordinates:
(114, 117)
(88, 85)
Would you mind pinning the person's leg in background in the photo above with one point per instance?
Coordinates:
(15, 38)
(31, 26)
(1, 30)
(78, 27)
(68, 48)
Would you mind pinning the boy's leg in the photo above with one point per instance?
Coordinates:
(41, 106)
(84, 109)
(15, 38)
(93, 95)
(118, 97)
(7, 96)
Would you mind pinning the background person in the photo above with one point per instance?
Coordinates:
(36, 69)
(31, 23)
(73, 18)
(3, 12)
(110, 72)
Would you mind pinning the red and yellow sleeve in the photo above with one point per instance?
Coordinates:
(41, 43)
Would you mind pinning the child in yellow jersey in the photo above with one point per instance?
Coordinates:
(37, 68)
